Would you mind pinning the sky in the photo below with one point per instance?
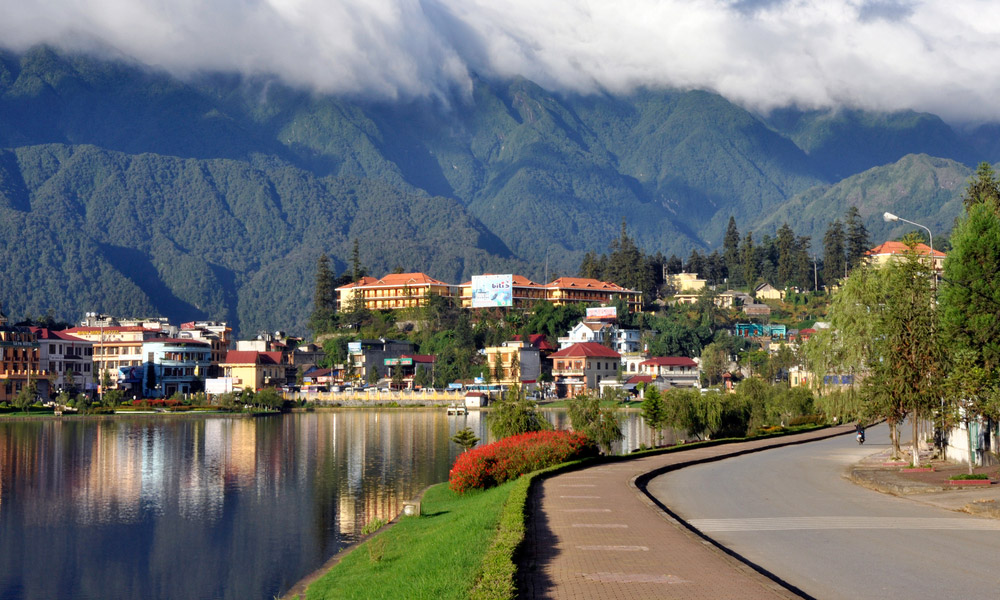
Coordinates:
(939, 56)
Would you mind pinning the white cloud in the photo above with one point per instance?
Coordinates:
(931, 55)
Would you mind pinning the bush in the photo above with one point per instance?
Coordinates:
(807, 420)
(969, 477)
(511, 457)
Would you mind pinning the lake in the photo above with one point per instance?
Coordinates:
(211, 507)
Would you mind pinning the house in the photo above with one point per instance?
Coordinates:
(393, 291)
(888, 251)
(624, 341)
(672, 371)
(518, 362)
(253, 370)
(581, 367)
(686, 288)
(732, 299)
(218, 335)
(766, 291)
(757, 310)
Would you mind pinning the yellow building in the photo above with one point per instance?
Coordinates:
(19, 361)
(519, 362)
(570, 290)
(252, 370)
(685, 282)
(396, 290)
(888, 251)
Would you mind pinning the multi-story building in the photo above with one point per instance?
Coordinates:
(396, 290)
(368, 356)
(19, 360)
(68, 359)
(407, 366)
(118, 351)
(624, 341)
(524, 292)
(571, 290)
(582, 367)
(518, 363)
(672, 371)
(219, 337)
(174, 365)
(889, 251)
(253, 370)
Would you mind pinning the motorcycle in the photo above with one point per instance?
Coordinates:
(861, 437)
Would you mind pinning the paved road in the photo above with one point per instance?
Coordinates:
(790, 511)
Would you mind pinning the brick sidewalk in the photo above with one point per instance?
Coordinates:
(593, 533)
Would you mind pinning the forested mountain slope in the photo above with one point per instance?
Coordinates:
(129, 191)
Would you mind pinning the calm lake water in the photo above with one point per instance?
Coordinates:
(212, 507)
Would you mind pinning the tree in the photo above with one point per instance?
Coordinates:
(515, 414)
(599, 424)
(465, 438)
(785, 243)
(324, 298)
(372, 376)
(983, 188)
(834, 257)
(714, 362)
(654, 411)
(970, 301)
(730, 251)
(25, 397)
(268, 398)
(748, 262)
(497, 367)
(856, 238)
(397, 377)
(887, 322)
(421, 377)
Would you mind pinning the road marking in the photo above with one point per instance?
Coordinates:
(616, 548)
(833, 523)
(602, 525)
(633, 578)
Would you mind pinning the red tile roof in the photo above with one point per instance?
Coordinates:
(901, 248)
(273, 358)
(48, 334)
(670, 361)
(585, 283)
(538, 340)
(589, 349)
(421, 358)
(640, 379)
(241, 357)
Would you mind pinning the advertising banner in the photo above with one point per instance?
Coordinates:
(354, 347)
(602, 313)
(492, 290)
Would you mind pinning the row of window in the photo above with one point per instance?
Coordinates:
(71, 350)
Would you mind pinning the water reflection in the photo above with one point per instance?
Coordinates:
(209, 507)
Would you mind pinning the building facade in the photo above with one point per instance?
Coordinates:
(581, 367)
(672, 371)
(174, 365)
(69, 361)
(396, 290)
(519, 363)
(253, 370)
(19, 361)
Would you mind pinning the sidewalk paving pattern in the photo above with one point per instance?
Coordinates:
(593, 533)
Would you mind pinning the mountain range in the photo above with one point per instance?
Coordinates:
(129, 191)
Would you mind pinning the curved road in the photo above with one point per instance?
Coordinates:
(791, 511)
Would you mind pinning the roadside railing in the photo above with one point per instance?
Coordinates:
(380, 396)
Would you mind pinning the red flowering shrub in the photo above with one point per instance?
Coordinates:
(513, 456)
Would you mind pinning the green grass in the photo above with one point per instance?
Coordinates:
(437, 556)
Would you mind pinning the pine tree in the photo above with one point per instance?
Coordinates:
(984, 187)
(834, 257)
(786, 249)
(857, 241)
(324, 298)
(731, 252)
(748, 263)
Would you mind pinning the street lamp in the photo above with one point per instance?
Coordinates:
(889, 217)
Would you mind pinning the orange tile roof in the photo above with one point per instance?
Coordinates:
(585, 283)
(394, 280)
(901, 248)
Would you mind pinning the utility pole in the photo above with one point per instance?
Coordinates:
(815, 276)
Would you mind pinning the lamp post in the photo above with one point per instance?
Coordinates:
(888, 217)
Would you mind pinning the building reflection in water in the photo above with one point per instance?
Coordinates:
(213, 507)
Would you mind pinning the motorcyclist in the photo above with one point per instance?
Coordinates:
(859, 429)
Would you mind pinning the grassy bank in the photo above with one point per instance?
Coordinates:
(462, 547)
(438, 555)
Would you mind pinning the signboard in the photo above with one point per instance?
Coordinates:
(392, 362)
(492, 290)
(602, 312)
(354, 347)
(221, 385)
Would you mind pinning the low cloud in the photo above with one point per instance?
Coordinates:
(928, 55)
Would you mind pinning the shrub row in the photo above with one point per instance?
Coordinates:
(513, 456)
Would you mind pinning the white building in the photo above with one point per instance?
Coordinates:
(623, 341)
(69, 358)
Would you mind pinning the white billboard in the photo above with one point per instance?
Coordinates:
(492, 290)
